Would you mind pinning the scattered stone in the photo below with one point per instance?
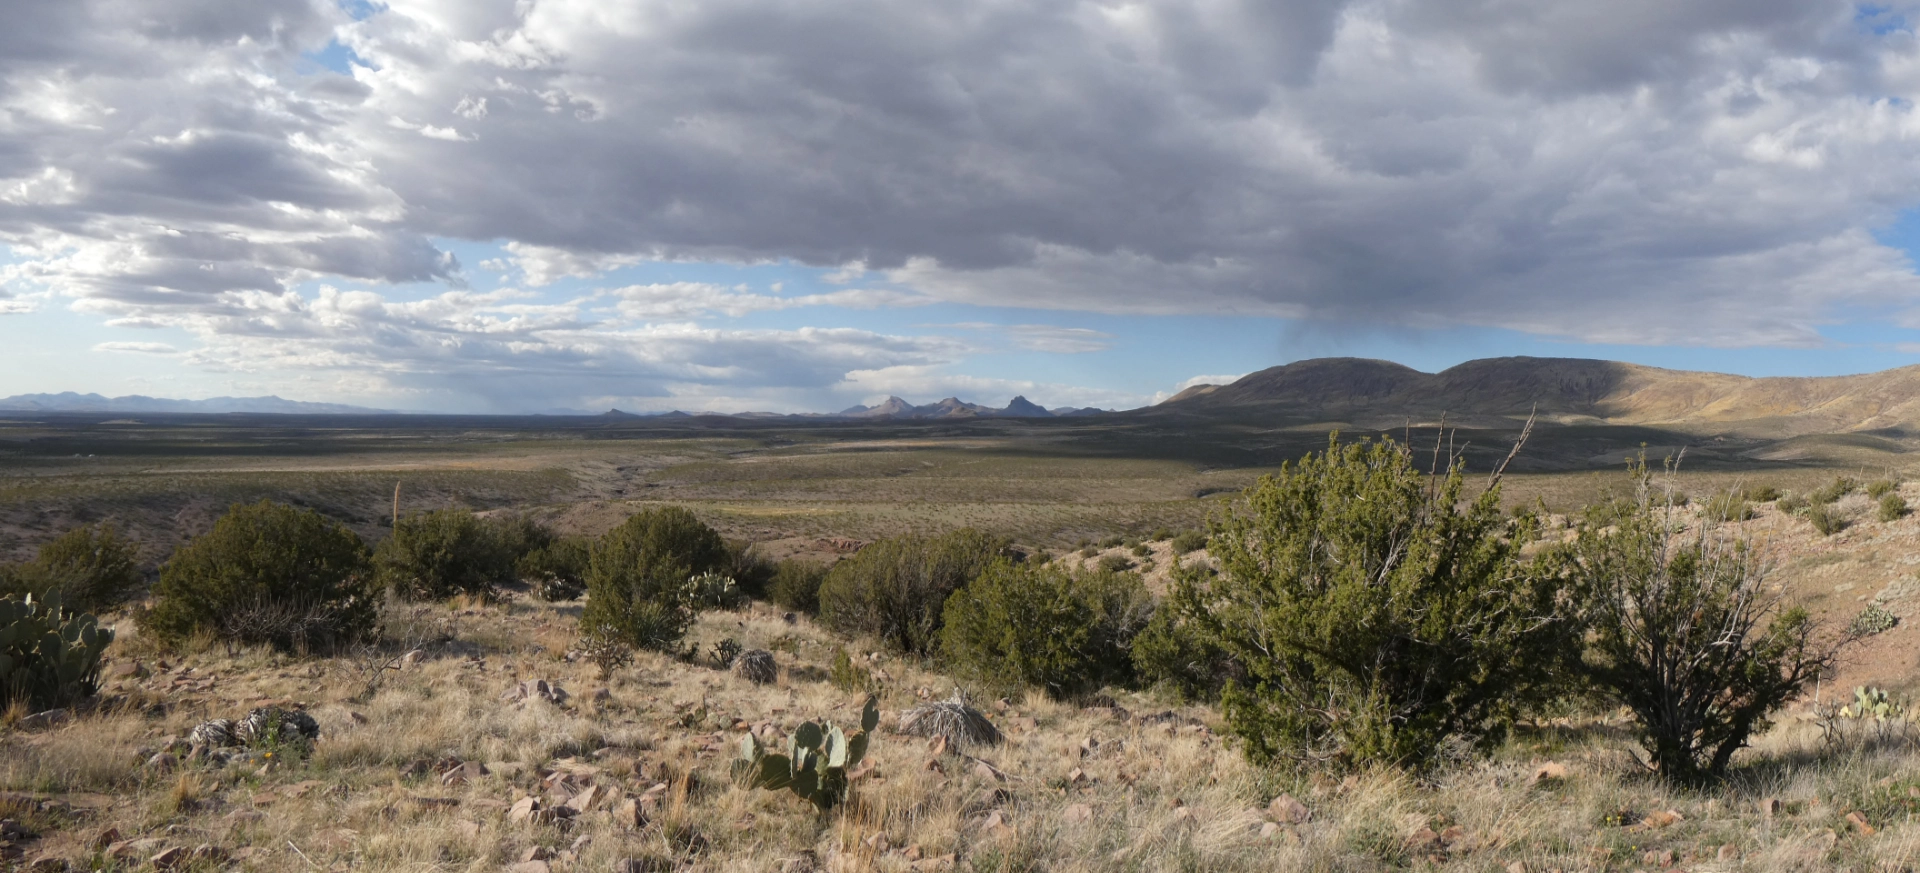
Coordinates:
(988, 772)
(47, 864)
(1770, 807)
(524, 810)
(530, 867)
(1286, 810)
(413, 658)
(1658, 820)
(602, 695)
(1859, 821)
(1658, 858)
(537, 853)
(1078, 813)
(1076, 776)
(1423, 840)
(537, 689)
(206, 853)
(106, 838)
(1728, 853)
(170, 858)
(1517, 867)
(1550, 772)
(1456, 838)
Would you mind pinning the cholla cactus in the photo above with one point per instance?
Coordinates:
(816, 763)
(712, 591)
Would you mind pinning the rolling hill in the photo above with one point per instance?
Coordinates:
(1494, 392)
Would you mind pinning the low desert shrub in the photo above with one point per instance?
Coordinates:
(1840, 487)
(1759, 493)
(1881, 488)
(1792, 503)
(436, 555)
(1728, 506)
(1825, 519)
(1379, 614)
(1682, 632)
(49, 656)
(1169, 655)
(90, 569)
(796, 585)
(1020, 625)
(1875, 619)
(558, 570)
(1892, 507)
(637, 577)
(750, 571)
(896, 589)
(1189, 541)
(267, 573)
(1115, 564)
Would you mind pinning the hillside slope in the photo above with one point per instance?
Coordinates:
(1567, 391)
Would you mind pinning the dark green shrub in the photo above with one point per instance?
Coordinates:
(1825, 519)
(49, 656)
(1892, 507)
(519, 535)
(1881, 488)
(848, 676)
(267, 573)
(1840, 487)
(1020, 625)
(897, 589)
(1791, 504)
(88, 569)
(1728, 506)
(1377, 612)
(796, 585)
(637, 577)
(1159, 534)
(1142, 550)
(1168, 654)
(1116, 564)
(557, 570)
(750, 572)
(1112, 542)
(1189, 541)
(435, 555)
(1682, 632)
(1759, 493)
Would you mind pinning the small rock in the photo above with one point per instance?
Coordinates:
(988, 772)
(1658, 858)
(1770, 807)
(523, 810)
(1517, 867)
(1658, 820)
(1077, 776)
(1286, 810)
(208, 854)
(170, 858)
(1078, 813)
(537, 853)
(413, 658)
(1728, 853)
(106, 838)
(530, 867)
(602, 694)
(47, 864)
(1859, 821)
(1551, 771)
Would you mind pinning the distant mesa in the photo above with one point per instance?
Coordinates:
(955, 408)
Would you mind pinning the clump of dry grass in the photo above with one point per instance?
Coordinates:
(952, 719)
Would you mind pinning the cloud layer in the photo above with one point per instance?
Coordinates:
(1554, 166)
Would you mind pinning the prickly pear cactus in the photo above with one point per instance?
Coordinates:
(1873, 703)
(49, 657)
(816, 762)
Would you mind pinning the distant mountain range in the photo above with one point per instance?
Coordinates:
(894, 408)
(68, 401)
(1496, 392)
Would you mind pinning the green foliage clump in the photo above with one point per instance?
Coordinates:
(1892, 507)
(1019, 625)
(267, 573)
(1189, 541)
(90, 568)
(49, 656)
(1728, 506)
(1160, 534)
(1168, 654)
(796, 585)
(1825, 519)
(637, 577)
(816, 763)
(1759, 493)
(751, 572)
(1840, 487)
(558, 569)
(1681, 632)
(1875, 619)
(848, 676)
(897, 589)
(1881, 488)
(1792, 504)
(1142, 550)
(713, 590)
(1115, 564)
(1376, 611)
(436, 555)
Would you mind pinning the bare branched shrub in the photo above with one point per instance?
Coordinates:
(1684, 633)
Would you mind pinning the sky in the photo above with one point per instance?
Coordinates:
(541, 205)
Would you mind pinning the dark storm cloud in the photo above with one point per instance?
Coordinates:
(1553, 166)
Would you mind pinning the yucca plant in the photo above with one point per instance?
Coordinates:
(49, 657)
(816, 763)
